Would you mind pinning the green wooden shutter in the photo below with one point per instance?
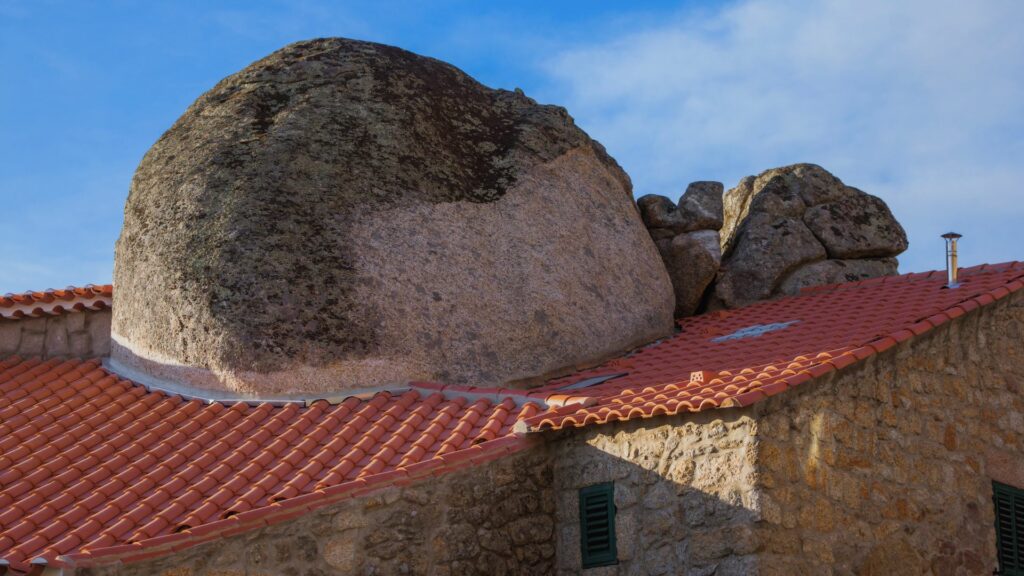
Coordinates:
(1009, 503)
(597, 525)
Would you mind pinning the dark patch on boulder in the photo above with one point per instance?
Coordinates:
(253, 214)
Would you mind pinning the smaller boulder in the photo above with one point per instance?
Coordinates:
(692, 260)
(700, 207)
(798, 226)
(658, 212)
(857, 226)
(767, 248)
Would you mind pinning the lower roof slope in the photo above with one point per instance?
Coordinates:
(95, 468)
(89, 461)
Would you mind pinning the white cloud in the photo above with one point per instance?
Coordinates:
(918, 101)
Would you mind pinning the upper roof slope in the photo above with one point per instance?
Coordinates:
(737, 357)
(95, 468)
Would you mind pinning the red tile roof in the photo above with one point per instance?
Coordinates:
(91, 464)
(94, 468)
(54, 302)
(737, 357)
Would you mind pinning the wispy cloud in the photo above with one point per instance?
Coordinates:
(919, 101)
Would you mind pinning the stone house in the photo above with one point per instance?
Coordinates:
(859, 428)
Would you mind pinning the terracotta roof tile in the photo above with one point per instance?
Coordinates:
(93, 462)
(737, 357)
(94, 467)
(55, 302)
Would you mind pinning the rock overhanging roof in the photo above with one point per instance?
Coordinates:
(97, 469)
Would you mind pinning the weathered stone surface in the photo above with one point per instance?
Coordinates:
(813, 184)
(887, 468)
(84, 334)
(692, 261)
(836, 271)
(32, 344)
(346, 214)
(687, 239)
(10, 336)
(660, 213)
(767, 249)
(788, 217)
(657, 530)
(98, 326)
(56, 336)
(857, 226)
(700, 207)
(894, 552)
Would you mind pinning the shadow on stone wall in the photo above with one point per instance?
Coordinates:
(684, 493)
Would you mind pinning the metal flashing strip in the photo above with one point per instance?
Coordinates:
(209, 396)
(520, 397)
(593, 381)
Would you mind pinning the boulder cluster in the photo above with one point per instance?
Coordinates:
(774, 234)
(688, 238)
(343, 214)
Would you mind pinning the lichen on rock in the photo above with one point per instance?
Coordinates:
(343, 214)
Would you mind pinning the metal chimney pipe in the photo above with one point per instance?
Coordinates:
(951, 265)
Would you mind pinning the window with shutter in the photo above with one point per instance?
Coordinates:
(597, 525)
(1009, 502)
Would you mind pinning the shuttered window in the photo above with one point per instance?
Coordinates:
(597, 525)
(1009, 528)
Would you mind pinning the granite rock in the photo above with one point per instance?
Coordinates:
(660, 213)
(767, 249)
(692, 261)
(798, 226)
(700, 207)
(856, 226)
(836, 272)
(344, 214)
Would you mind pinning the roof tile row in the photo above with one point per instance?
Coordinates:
(55, 302)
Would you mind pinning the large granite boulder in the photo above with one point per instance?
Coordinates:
(344, 214)
(798, 226)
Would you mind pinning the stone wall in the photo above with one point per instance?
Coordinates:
(84, 334)
(495, 519)
(887, 467)
(684, 491)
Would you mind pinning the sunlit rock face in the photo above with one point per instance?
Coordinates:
(344, 214)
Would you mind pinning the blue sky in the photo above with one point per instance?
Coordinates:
(920, 101)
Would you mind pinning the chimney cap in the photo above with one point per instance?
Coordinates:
(952, 235)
